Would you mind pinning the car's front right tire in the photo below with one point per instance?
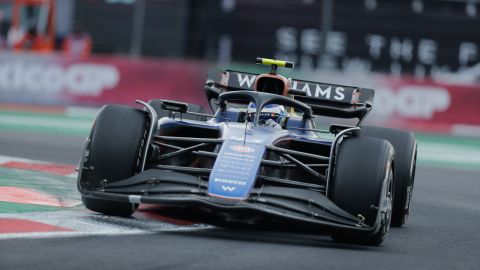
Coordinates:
(113, 152)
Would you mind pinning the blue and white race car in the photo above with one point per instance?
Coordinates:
(259, 160)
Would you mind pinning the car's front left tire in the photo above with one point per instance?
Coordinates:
(405, 147)
(362, 185)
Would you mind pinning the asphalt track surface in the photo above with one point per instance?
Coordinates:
(443, 232)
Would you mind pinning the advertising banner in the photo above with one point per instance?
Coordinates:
(425, 105)
(53, 79)
(441, 105)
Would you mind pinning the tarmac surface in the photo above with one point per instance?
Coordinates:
(443, 231)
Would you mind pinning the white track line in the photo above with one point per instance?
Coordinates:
(81, 112)
(40, 121)
(40, 235)
(85, 223)
(6, 159)
(439, 152)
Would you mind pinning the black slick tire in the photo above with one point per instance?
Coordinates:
(405, 147)
(362, 185)
(113, 153)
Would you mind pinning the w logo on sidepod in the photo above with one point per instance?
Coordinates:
(228, 188)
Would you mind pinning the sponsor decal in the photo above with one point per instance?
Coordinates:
(245, 80)
(78, 79)
(411, 101)
(311, 89)
(233, 182)
(235, 170)
(323, 91)
(228, 188)
(242, 148)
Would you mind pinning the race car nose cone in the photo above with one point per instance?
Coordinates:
(235, 170)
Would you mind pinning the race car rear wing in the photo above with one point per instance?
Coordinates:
(325, 99)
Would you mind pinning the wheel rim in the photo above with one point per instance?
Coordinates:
(410, 187)
(387, 201)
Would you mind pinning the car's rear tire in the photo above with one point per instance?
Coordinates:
(405, 147)
(362, 185)
(157, 105)
(113, 153)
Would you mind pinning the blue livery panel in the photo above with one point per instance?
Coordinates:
(235, 170)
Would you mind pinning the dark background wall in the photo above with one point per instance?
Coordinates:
(404, 37)
(111, 26)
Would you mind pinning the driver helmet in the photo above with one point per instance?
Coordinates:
(269, 113)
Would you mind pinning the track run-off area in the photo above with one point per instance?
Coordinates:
(43, 224)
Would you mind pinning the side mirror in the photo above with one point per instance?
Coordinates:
(175, 106)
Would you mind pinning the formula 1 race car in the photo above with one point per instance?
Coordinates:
(259, 160)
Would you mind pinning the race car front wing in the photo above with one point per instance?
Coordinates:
(170, 188)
